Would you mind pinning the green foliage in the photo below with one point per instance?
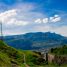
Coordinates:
(34, 58)
(4, 60)
(60, 55)
(9, 55)
(31, 56)
(60, 50)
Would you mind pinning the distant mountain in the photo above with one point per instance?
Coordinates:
(36, 40)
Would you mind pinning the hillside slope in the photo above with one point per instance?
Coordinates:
(11, 57)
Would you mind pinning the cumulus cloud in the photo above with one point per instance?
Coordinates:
(38, 21)
(55, 18)
(20, 15)
(9, 17)
(19, 18)
(22, 19)
(17, 22)
(21, 23)
(4, 16)
(45, 20)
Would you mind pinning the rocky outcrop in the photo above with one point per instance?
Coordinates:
(57, 59)
(60, 59)
(51, 57)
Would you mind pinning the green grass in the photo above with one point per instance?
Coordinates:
(22, 65)
(45, 65)
(50, 65)
(60, 50)
(9, 55)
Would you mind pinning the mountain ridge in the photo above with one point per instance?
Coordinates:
(36, 40)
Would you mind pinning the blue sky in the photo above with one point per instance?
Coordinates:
(23, 16)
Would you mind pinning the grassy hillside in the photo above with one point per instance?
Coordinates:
(10, 57)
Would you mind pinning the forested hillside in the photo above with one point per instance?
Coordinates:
(36, 40)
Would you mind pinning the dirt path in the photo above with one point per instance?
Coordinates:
(25, 61)
(27, 65)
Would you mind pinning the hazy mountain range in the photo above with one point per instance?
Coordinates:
(36, 40)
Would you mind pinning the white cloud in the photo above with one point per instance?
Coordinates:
(12, 17)
(21, 23)
(7, 14)
(56, 18)
(45, 20)
(56, 15)
(22, 15)
(14, 21)
(9, 17)
(38, 21)
(18, 18)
